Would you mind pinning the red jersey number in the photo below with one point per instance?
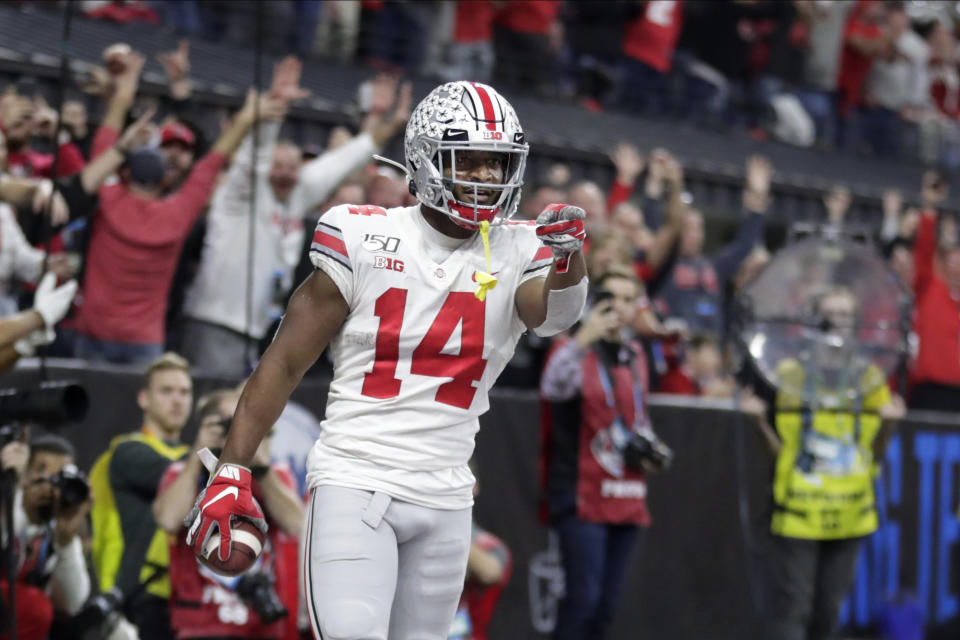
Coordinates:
(465, 367)
(367, 210)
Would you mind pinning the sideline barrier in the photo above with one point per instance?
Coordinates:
(698, 570)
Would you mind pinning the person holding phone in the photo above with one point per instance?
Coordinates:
(598, 448)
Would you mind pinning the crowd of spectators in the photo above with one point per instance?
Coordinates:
(871, 76)
(155, 220)
(127, 205)
(131, 217)
(687, 315)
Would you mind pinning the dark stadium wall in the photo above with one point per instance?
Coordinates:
(692, 571)
(698, 570)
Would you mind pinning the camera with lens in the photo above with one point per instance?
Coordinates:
(73, 486)
(100, 618)
(48, 403)
(257, 592)
(223, 423)
(73, 489)
(102, 614)
(641, 448)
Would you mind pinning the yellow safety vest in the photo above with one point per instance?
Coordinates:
(823, 480)
(107, 533)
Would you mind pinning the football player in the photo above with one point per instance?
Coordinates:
(422, 307)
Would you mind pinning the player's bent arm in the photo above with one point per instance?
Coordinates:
(550, 305)
(315, 314)
(282, 504)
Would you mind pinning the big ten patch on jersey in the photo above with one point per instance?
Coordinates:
(385, 248)
(416, 330)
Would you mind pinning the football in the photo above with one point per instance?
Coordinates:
(245, 546)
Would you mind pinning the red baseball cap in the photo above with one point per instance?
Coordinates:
(176, 132)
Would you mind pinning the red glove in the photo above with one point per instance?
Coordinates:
(227, 496)
(560, 227)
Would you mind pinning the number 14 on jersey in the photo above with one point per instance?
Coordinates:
(465, 367)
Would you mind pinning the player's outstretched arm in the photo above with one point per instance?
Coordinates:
(533, 296)
(314, 315)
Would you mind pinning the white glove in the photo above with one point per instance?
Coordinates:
(27, 346)
(52, 302)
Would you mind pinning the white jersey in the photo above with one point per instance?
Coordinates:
(418, 352)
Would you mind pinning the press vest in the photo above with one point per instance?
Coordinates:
(612, 403)
(107, 533)
(823, 480)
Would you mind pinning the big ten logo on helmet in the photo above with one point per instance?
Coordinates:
(390, 264)
(377, 243)
(492, 135)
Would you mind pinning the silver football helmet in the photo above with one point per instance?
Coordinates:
(458, 117)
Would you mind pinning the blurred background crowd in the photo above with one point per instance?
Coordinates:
(699, 137)
(877, 78)
(853, 75)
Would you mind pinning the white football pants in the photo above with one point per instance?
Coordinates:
(378, 568)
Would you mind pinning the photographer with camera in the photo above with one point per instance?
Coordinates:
(52, 577)
(598, 447)
(261, 603)
(130, 551)
(832, 417)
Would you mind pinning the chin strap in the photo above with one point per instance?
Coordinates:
(485, 281)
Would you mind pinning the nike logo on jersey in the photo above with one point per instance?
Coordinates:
(229, 491)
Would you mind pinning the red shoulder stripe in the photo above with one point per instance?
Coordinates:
(331, 242)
